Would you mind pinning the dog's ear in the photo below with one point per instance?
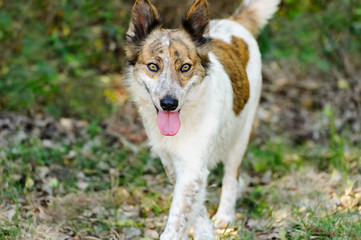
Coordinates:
(144, 20)
(196, 22)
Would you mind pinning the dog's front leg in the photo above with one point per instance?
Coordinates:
(188, 198)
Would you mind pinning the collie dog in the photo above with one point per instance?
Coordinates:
(197, 88)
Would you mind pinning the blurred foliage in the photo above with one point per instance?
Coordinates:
(320, 34)
(56, 53)
(61, 56)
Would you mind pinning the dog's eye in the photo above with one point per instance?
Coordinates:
(153, 67)
(186, 67)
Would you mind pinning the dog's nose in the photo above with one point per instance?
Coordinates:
(169, 104)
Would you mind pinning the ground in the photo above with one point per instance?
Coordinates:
(71, 179)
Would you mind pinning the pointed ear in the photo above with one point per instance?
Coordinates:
(196, 22)
(144, 20)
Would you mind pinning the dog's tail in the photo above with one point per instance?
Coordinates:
(254, 14)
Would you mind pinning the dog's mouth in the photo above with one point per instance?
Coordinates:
(168, 122)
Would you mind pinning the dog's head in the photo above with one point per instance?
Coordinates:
(168, 63)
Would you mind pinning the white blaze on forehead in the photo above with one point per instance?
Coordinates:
(167, 41)
(165, 84)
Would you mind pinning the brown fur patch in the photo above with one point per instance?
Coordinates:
(234, 58)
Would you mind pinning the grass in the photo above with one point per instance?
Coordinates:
(337, 226)
(93, 187)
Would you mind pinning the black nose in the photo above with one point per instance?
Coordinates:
(169, 104)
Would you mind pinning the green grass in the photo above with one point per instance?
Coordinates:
(93, 181)
(337, 226)
(7, 231)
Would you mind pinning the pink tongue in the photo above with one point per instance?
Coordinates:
(168, 123)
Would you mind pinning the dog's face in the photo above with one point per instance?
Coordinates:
(168, 63)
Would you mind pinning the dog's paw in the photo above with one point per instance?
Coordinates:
(223, 220)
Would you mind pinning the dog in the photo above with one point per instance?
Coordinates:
(197, 89)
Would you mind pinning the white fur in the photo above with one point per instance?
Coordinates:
(210, 132)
